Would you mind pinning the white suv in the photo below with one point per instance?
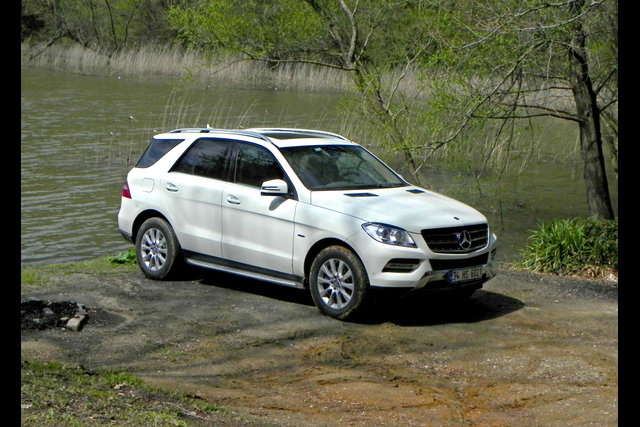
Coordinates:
(300, 208)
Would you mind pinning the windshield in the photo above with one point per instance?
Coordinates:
(340, 167)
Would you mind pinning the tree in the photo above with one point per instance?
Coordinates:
(366, 38)
(507, 61)
(91, 23)
(524, 59)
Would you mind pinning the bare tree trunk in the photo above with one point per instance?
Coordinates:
(595, 178)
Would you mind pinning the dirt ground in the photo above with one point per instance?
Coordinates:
(526, 350)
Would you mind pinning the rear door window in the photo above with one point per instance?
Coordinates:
(207, 158)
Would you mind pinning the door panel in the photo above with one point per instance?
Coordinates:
(196, 212)
(257, 230)
(192, 192)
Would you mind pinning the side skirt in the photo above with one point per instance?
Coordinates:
(244, 270)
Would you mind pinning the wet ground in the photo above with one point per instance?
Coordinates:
(526, 350)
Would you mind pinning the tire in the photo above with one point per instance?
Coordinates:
(338, 283)
(157, 249)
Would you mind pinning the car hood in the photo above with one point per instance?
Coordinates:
(411, 208)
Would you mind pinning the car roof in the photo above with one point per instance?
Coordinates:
(280, 137)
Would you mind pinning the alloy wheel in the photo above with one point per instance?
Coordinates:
(335, 283)
(154, 249)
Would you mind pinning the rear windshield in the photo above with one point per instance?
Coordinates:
(156, 149)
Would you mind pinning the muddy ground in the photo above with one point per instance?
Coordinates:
(526, 350)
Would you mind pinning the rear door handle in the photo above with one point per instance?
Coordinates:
(171, 187)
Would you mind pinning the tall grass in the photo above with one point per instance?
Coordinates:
(176, 61)
(573, 246)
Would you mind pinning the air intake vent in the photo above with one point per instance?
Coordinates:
(401, 265)
(361, 195)
(451, 264)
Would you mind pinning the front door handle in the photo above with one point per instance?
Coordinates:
(233, 200)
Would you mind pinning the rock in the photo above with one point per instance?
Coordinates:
(37, 314)
(76, 322)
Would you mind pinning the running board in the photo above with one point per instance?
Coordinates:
(244, 273)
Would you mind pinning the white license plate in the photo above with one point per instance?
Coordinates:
(456, 276)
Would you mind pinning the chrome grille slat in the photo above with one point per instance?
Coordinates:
(445, 240)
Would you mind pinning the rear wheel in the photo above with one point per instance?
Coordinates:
(157, 249)
(338, 282)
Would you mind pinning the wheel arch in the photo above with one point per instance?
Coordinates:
(142, 217)
(317, 248)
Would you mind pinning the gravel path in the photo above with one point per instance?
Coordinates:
(527, 350)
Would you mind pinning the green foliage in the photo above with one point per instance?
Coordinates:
(110, 25)
(571, 246)
(262, 29)
(369, 34)
(128, 257)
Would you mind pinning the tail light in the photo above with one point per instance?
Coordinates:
(125, 190)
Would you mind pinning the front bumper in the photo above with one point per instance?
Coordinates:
(419, 268)
(439, 279)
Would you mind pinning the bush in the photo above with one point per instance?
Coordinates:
(128, 257)
(572, 246)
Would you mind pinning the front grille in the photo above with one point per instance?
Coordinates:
(448, 240)
(452, 264)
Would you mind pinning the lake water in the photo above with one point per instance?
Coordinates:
(80, 135)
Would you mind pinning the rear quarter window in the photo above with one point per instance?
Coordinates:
(155, 150)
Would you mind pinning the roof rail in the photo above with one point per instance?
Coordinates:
(266, 134)
(272, 132)
(227, 131)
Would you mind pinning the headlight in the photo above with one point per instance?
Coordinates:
(387, 234)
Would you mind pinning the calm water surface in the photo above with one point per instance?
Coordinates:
(81, 134)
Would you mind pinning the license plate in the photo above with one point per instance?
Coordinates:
(456, 276)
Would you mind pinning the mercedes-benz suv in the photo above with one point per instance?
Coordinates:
(301, 208)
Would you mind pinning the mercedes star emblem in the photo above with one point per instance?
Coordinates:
(464, 239)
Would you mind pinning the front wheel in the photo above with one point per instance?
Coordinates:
(157, 249)
(338, 282)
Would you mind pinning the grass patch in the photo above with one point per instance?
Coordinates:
(41, 275)
(576, 246)
(55, 394)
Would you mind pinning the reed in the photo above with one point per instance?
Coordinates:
(176, 61)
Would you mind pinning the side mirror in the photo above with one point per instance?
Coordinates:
(274, 187)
